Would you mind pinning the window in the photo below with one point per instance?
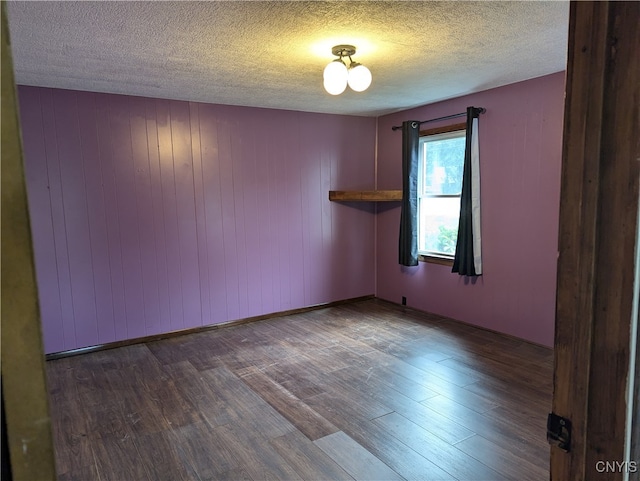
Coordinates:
(440, 170)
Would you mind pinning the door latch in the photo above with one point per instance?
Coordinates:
(559, 431)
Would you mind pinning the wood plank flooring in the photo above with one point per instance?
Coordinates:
(362, 391)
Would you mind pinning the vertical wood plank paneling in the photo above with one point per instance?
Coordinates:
(278, 209)
(190, 214)
(163, 322)
(283, 209)
(213, 213)
(275, 201)
(170, 213)
(110, 264)
(127, 203)
(74, 210)
(262, 244)
(72, 150)
(119, 141)
(112, 202)
(251, 188)
(326, 222)
(200, 214)
(349, 251)
(144, 212)
(271, 201)
(238, 160)
(58, 218)
(296, 240)
(99, 277)
(307, 181)
(287, 224)
(335, 169)
(229, 227)
(263, 241)
(249, 201)
(336, 234)
(185, 205)
(42, 229)
(315, 198)
(338, 169)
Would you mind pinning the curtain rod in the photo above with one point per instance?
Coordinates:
(480, 110)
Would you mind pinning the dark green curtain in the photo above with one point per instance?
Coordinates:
(467, 260)
(408, 249)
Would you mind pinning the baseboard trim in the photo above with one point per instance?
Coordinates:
(157, 337)
(450, 319)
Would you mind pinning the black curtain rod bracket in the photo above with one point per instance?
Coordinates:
(481, 110)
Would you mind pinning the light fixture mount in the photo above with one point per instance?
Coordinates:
(343, 50)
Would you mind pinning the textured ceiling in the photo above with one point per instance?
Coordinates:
(271, 54)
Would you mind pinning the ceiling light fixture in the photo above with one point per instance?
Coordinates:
(337, 75)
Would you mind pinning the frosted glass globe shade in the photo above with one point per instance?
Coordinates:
(335, 86)
(336, 68)
(335, 77)
(359, 78)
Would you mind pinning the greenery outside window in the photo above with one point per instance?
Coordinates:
(440, 171)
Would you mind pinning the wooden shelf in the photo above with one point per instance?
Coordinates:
(365, 195)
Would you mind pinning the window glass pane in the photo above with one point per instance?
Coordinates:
(439, 187)
(438, 224)
(444, 164)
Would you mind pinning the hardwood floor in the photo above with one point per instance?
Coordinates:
(363, 391)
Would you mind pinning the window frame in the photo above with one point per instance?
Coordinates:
(434, 258)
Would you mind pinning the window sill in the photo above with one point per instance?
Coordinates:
(431, 259)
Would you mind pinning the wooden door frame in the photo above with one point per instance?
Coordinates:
(597, 241)
(25, 402)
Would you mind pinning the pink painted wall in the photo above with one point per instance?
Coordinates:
(151, 216)
(520, 156)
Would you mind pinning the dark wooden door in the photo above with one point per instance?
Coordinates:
(597, 260)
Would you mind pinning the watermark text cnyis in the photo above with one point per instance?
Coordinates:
(617, 466)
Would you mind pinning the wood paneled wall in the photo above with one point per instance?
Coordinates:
(152, 216)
